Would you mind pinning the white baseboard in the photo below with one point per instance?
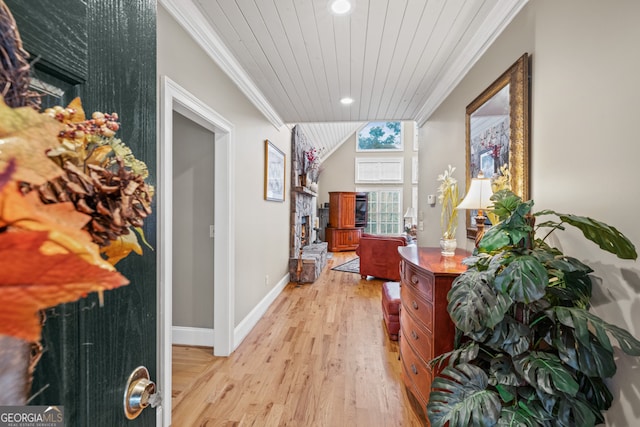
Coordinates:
(251, 320)
(183, 335)
(204, 337)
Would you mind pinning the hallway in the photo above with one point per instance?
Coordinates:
(319, 357)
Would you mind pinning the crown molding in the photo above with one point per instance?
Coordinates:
(187, 14)
(497, 20)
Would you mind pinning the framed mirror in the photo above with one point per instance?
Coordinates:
(497, 132)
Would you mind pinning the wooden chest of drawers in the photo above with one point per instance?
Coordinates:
(426, 329)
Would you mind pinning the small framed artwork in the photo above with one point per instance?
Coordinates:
(274, 172)
(380, 136)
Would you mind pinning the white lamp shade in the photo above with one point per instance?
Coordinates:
(410, 213)
(478, 196)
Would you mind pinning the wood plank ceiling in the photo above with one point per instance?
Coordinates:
(398, 59)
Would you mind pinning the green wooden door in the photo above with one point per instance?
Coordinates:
(105, 52)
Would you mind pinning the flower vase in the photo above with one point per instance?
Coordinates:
(448, 247)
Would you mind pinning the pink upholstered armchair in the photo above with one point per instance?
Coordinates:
(379, 256)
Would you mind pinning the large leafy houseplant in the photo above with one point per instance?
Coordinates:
(528, 351)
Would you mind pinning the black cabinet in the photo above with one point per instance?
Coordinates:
(361, 210)
(323, 215)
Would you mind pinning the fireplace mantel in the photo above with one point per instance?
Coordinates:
(305, 190)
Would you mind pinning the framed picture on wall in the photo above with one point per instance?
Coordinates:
(274, 172)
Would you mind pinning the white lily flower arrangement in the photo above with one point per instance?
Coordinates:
(449, 200)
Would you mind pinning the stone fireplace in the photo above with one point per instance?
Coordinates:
(306, 259)
(302, 214)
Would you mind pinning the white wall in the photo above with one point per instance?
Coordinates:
(193, 198)
(262, 228)
(584, 144)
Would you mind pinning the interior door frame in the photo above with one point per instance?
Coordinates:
(175, 98)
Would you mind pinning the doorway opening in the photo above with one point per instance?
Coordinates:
(174, 98)
(193, 233)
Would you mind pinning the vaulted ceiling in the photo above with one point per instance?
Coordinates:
(295, 60)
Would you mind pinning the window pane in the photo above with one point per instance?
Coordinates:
(384, 211)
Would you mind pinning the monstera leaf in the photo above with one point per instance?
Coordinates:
(605, 236)
(508, 232)
(473, 304)
(505, 202)
(525, 279)
(588, 356)
(565, 264)
(536, 405)
(515, 417)
(546, 372)
(460, 396)
(569, 281)
(510, 336)
(583, 321)
(595, 391)
(574, 412)
(559, 410)
(466, 353)
(504, 377)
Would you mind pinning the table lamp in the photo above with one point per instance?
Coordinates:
(478, 197)
(409, 215)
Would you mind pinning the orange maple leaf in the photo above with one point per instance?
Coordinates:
(31, 280)
(61, 220)
(45, 259)
(26, 136)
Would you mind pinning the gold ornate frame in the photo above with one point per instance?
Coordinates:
(517, 80)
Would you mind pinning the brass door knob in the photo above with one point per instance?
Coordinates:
(139, 393)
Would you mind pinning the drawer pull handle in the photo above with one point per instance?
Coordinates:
(414, 279)
(414, 369)
(415, 305)
(414, 335)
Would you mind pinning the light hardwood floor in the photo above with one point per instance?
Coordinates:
(319, 357)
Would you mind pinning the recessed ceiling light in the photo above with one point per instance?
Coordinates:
(340, 7)
(346, 100)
